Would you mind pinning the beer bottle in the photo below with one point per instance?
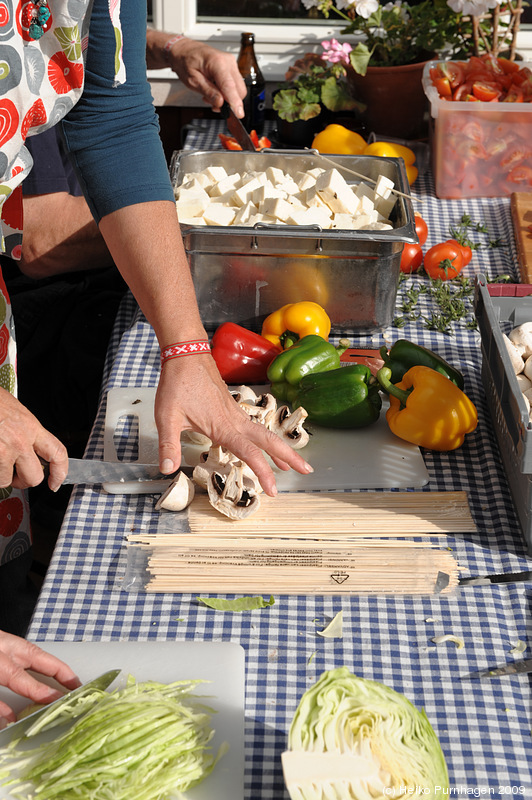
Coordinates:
(255, 101)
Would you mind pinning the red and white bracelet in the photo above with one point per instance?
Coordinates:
(180, 349)
(170, 43)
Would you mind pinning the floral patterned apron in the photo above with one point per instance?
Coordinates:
(41, 79)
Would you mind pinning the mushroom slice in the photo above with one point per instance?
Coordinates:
(289, 426)
(178, 496)
(243, 394)
(262, 410)
(229, 494)
(217, 458)
(193, 437)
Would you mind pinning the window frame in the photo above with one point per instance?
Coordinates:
(277, 46)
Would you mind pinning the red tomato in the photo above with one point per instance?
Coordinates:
(421, 228)
(485, 91)
(514, 94)
(467, 253)
(453, 71)
(411, 257)
(444, 260)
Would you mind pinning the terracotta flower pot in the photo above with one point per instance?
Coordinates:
(395, 100)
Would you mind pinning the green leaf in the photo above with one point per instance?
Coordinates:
(360, 57)
(335, 97)
(238, 604)
(287, 105)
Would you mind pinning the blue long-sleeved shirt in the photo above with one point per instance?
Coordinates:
(113, 131)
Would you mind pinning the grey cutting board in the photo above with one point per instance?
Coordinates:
(370, 458)
(220, 663)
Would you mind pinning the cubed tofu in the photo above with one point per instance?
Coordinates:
(275, 175)
(380, 226)
(276, 207)
(225, 185)
(385, 206)
(244, 194)
(288, 186)
(383, 187)
(338, 195)
(310, 216)
(305, 181)
(312, 199)
(198, 177)
(215, 174)
(363, 190)
(244, 214)
(343, 221)
(265, 192)
(192, 221)
(192, 202)
(217, 214)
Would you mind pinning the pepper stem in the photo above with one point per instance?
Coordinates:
(383, 376)
(288, 338)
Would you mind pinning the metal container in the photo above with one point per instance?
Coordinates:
(242, 274)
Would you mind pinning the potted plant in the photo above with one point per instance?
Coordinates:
(393, 40)
(316, 87)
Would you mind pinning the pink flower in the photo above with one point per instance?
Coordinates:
(336, 52)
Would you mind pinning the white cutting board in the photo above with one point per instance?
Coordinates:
(220, 663)
(369, 458)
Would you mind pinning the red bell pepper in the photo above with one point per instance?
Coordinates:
(242, 356)
(230, 143)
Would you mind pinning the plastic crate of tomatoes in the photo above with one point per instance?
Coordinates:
(481, 126)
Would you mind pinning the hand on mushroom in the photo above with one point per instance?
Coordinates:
(232, 487)
(186, 396)
(22, 441)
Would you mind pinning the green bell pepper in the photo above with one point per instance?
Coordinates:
(347, 397)
(404, 354)
(312, 353)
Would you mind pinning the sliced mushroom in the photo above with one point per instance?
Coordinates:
(262, 410)
(193, 437)
(178, 496)
(244, 394)
(289, 426)
(217, 458)
(515, 354)
(229, 494)
(522, 338)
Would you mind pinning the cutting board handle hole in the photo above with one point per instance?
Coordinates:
(126, 438)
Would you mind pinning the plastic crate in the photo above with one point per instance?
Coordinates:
(498, 310)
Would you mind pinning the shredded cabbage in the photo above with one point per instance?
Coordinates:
(356, 739)
(148, 741)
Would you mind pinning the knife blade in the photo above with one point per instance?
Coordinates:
(18, 729)
(504, 577)
(85, 470)
(236, 128)
(514, 668)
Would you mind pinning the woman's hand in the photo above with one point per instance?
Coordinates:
(18, 655)
(210, 72)
(22, 440)
(192, 396)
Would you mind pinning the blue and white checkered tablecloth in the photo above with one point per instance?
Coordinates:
(484, 726)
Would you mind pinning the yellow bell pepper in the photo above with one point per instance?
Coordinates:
(294, 321)
(428, 409)
(338, 139)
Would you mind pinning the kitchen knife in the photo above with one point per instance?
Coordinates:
(504, 577)
(18, 729)
(84, 470)
(515, 668)
(236, 128)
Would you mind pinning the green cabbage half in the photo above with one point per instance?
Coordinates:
(356, 739)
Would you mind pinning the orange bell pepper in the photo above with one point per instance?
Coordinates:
(428, 409)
